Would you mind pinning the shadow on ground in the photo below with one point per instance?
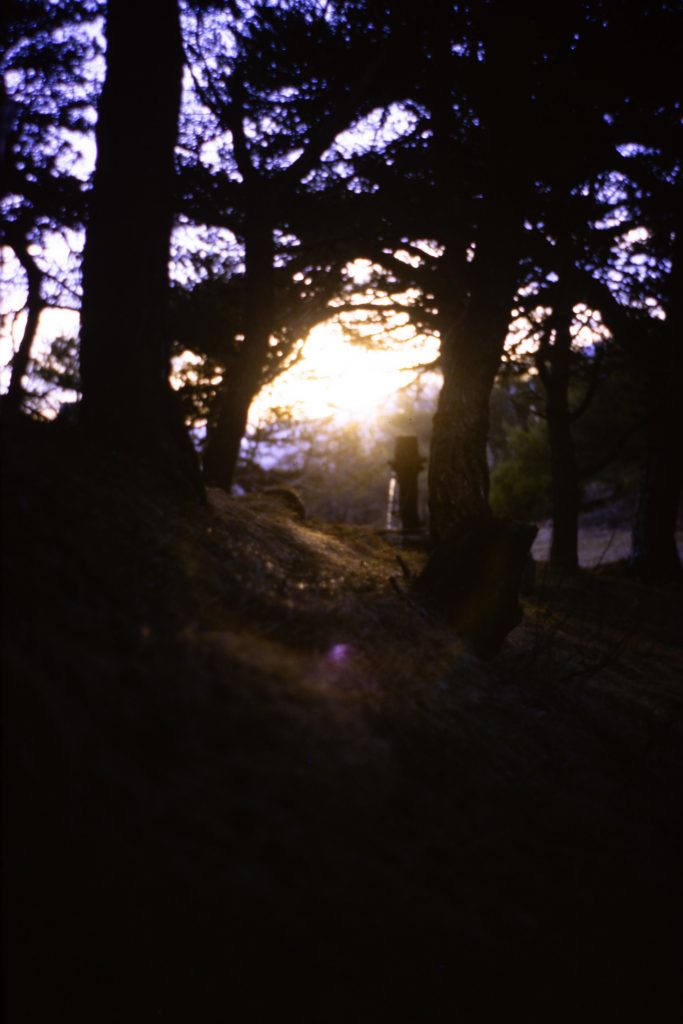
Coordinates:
(247, 778)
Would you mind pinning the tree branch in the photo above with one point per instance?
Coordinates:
(599, 464)
(328, 128)
(592, 387)
(34, 307)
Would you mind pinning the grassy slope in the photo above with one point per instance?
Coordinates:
(241, 763)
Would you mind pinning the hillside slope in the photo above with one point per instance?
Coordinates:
(242, 764)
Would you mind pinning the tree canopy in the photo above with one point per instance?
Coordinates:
(490, 163)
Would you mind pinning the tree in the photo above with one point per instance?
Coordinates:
(125, 359)
(637, 287)
(554, 323)
(281, 116)
(15, 237)
(207, 321)
(50, 78)
(443, 212)
(641, 164)
(457, 208)
(655, 162)
(654, 554)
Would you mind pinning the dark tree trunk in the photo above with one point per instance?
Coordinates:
(407, 464)
(471, 350)
(125, 343)
(245, 374)
(555, 366)
(13, 400)
(564, 490)
(458, 470)
(225, 437)
(473, 574)
(474, 571)
(654, 554)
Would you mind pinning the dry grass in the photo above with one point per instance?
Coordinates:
(244, 763)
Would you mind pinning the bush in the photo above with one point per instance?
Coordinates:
(520, 482)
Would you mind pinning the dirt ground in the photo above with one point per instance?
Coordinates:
(248, 777)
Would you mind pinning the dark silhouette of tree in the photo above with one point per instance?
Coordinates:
(48, 55)
(550, 304)
(464, 182)
(639, 136)
(13, 236)
(482, 191)
(125, 341)
(554, 364)
(637, 285)
(281, 115)
(207, 317)
(655, 164)
(659, 357)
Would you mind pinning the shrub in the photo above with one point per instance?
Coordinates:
(520, 482)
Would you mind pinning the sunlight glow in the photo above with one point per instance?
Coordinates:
(335, 377)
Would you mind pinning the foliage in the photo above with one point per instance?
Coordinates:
(609, 445)
(52, 70)
(520, 482)
(609, 440)
(55, 384)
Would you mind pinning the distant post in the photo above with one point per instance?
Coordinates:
(407, 464)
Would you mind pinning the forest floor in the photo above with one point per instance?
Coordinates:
(249, 779)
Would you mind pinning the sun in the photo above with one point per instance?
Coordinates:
(345, 380)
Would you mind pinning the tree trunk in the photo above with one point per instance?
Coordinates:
(473, 574)
(245, 375)
(222, 449)
(125, 342)
(458, 470)
(564, 473)
(34, 304)
(654, 554)
(407, 464)
(458, 476)
(564, 489)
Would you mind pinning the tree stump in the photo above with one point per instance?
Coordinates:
(473, 578)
